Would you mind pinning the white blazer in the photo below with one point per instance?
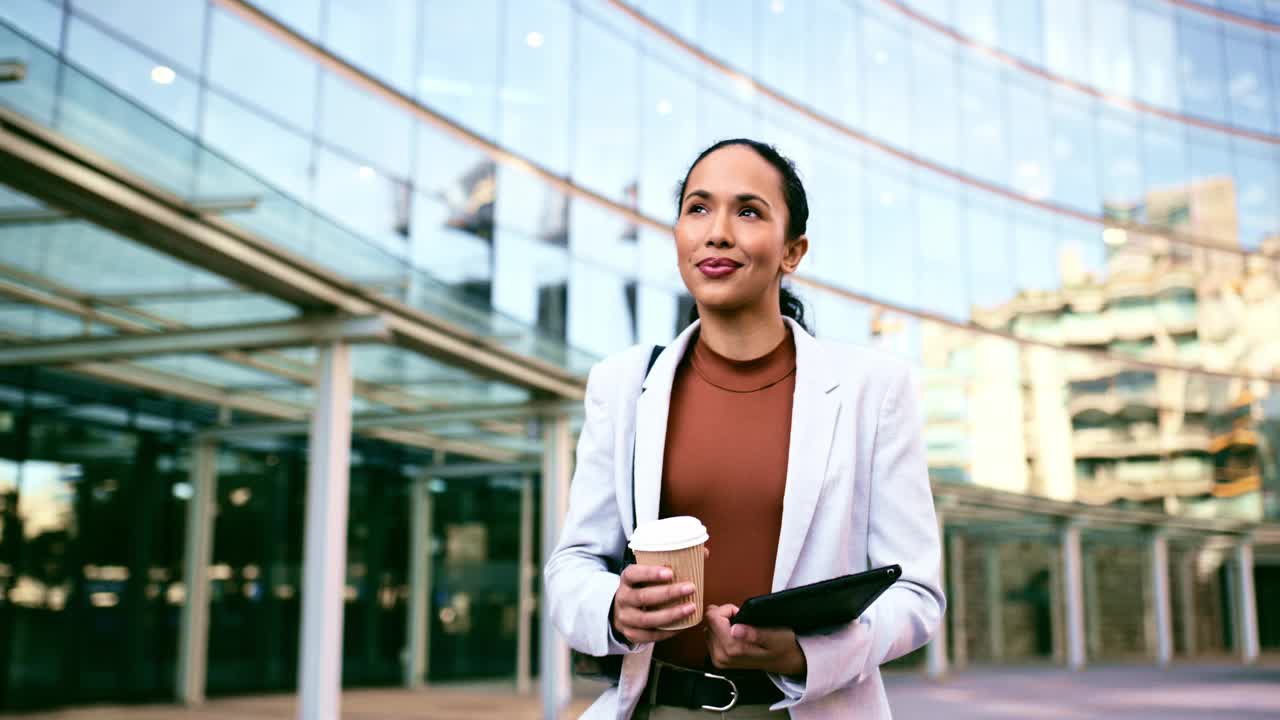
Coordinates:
(857, 497)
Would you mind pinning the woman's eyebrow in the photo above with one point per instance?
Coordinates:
(740, 197)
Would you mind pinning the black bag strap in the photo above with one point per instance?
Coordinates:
(628, 557)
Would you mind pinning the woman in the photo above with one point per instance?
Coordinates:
(803, 458)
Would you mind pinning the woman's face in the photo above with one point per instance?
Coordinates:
(731, 238)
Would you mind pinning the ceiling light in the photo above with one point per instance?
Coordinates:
(163, 75)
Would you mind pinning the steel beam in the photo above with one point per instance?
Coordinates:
(255, 336)
(418, 653)
(1246, 604)
(1161, 601)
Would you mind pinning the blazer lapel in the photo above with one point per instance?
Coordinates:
(651, 427)
(813, 419)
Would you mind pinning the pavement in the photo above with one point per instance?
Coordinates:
(1204, 691)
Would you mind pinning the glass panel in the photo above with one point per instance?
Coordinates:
(1155, 51)
(1110, 43)
(40, 19)
(280, 155)
(465, 91)
(1074, 165)
(985, 140)
(376, 133)
(675, 132)
(935, 116)
(1247, 85)
(886, 77)
(782, 61)
(246, 63)
(606, 115)
(537, 48)
(1200, 60)
(377, 35)
(835, 46)
(1021, 30)
(168, 91)
(173, 29)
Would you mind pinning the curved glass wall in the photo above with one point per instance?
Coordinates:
(991, 183)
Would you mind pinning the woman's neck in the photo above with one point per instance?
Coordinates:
(742, 335)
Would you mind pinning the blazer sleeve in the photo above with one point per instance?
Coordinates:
(578, 581)
(902, 529)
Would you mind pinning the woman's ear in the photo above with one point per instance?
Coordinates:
(793, 253)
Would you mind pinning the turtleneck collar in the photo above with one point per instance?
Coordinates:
(744, 376)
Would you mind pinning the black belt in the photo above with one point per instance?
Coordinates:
(716, 691)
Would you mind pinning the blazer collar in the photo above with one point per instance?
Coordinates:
(814, 411)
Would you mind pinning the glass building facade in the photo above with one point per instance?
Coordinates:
(1066, 215)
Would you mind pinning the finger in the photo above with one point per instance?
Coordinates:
(746, 634)
(719, 612)
(646, 574)
(638, 636)
(706, 552)
(662, 594)
(655, 619)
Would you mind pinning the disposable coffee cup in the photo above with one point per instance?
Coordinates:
(676, 543)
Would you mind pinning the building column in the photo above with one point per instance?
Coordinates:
(324, 575)
(1092, 604)
(1246, 603)
(995, 599)
(193, 632)
(936, 650)
(1161, 605)
(556, 473)
(417, 655)
(1073, 587)
(957, 610)
(524, 600)
(1187, 594)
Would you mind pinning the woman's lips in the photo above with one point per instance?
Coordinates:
(718, 267)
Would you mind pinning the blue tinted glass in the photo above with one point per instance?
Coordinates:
(1164, 153)
(985, 139)
(1021, 31)
(453, 217)
(837, 238)
(942, 258)
(174, 29)
(889, 219)
(1156, 55)
(884, 62)
(279, 155)
(990, 259)
(373, 205)
(1122, 179)
(1258, 192)
(1064, 35)
(1075, 170)
(834, 59)
(252, 65)
(535, 94)
(668, 136)
(301, 15)
(167, 91)
(362, 124)
(1110, 43)
(726, 29)
(40, 19)
(1200, 56)
(935, 115)
(980, 22)
(1030, 140)
(782, 61)
(606, 134)
(1248, 88)
(459, 74)
(377, 35)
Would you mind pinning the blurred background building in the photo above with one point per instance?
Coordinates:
(228, 228)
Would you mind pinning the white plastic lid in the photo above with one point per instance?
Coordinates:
(673, 533)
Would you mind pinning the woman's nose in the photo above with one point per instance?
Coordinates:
(720, 236)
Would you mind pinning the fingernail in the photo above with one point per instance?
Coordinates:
(689, 609)
(665, 574)
(687, 588)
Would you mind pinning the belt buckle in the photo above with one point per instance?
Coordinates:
(733, 694)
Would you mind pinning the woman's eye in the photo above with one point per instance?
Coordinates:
(752, 211)
(696, 209)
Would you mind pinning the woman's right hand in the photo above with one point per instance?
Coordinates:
(643, 587)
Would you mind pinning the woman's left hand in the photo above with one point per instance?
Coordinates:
(742, 647)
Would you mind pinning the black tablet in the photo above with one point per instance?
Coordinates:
(823, 604)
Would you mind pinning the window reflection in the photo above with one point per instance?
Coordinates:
(1156, 54)
(174, 29)
(1246, 80)
(459, 73)
(606, 111)
(377, 35)
(375, 132)
(249, 64)
(1201, 76)
(985, 139)
(884, 63)
(537, 47)
(40, 20)
(279, 155)
(167, 91)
